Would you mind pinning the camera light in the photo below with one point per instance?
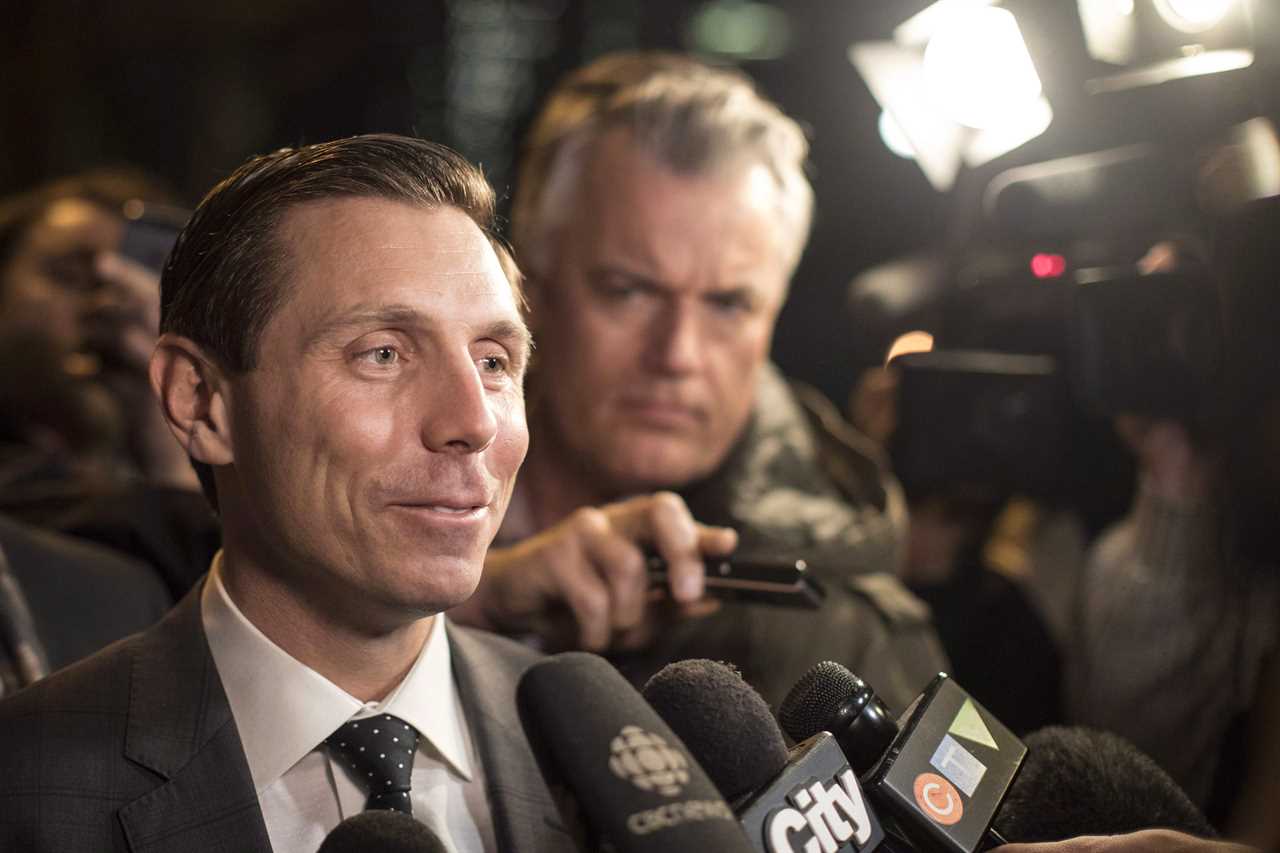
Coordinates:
(1193, 16)
(893, 137)
(979, 69)
(1047, 265)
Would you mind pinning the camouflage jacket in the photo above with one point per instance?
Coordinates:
(803, 484)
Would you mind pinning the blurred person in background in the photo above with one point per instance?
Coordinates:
(83, 448)
(1177, 617)
(1000, 647)
(660, 213)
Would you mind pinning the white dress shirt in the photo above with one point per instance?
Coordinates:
(284, 710)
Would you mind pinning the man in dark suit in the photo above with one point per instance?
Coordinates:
(341, 356)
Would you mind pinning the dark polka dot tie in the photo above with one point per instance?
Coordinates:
(379, 753)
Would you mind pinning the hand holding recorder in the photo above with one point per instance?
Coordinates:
(585, 582)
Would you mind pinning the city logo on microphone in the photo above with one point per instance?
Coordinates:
(648, 762)
(822, 818)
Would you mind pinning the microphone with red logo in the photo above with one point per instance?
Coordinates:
(937, 777)
(632, 780)
(807, 799)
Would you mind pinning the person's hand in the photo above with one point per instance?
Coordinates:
(1146, 841)
(590, 568)
(1176, 471)
(124, 326)
(126, 313)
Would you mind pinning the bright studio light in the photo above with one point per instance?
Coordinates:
(893, 138)
(958, 82)
(978, 69)
(1193, 16)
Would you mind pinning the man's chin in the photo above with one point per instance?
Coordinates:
(428, 589)
(638, 474)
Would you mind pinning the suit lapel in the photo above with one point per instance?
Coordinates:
(180, 727)
(524, 815)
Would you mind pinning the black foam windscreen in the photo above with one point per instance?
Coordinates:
(723, 721)
(818, 696)
(830, 698)
(381, 831)
(1078, 781)
(634, 782)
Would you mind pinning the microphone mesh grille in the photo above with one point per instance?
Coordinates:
(816, 699)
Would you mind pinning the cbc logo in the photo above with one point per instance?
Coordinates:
(646, 761)
(938, 799)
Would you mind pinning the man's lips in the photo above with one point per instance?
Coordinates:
(458, 501)
(662, 412)
(445, 503)
(443, 512)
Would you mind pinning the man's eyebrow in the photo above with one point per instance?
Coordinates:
(513, 334)
(601, 272)
(381, 315)
(605, 271)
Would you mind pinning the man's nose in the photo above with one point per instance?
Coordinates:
(457, 411)
(677, 341)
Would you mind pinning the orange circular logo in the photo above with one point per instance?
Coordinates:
(938, 799)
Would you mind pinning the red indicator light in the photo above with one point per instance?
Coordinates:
(1048, 266)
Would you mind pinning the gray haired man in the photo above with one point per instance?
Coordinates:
(661, 211)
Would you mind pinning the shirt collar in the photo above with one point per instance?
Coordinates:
(284, 709)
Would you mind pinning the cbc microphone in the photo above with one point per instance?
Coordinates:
(381, 831)
(938, 778)
(634, 783)
(807, 800)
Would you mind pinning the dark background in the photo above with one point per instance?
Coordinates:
(190, 90)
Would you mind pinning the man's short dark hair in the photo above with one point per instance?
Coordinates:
(227, 274)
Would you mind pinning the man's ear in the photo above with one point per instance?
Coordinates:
(193, 398)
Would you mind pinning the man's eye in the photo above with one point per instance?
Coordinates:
(493, 364)
(382, 356)
(730, 303)
(616, 290)
(72, 274)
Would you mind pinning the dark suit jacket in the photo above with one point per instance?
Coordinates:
(135, 749)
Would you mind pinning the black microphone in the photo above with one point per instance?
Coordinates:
(1078, 781)
(808, 799)
(634, 783)
(936, 777)
(382, 831)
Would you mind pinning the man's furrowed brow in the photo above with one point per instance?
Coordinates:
(381, 315)
(514, 336)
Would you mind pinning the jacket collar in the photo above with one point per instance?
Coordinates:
(180, 727)
(525, 817)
